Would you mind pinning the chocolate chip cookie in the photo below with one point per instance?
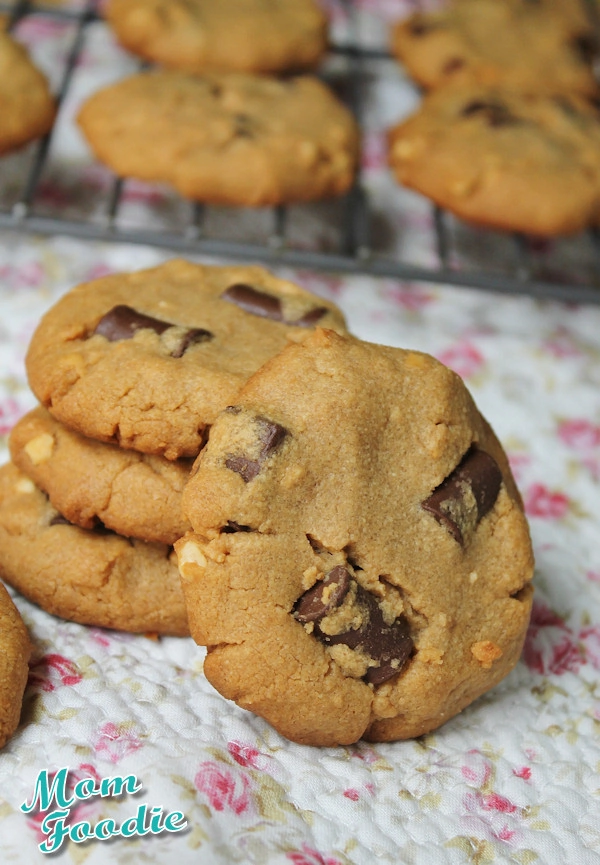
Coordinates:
(521, 45)
(237, 35)
(91, 483)
(27, 107)
(15, 650)
(225, 138)
(510, 161)
(360, 563)
(147, 360)
(94, 577)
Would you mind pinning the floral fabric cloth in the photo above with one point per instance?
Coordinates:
(513, 779)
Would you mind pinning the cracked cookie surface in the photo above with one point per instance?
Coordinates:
(360, 564)
(91, 482)
(27, 107)
(146, 360)
(522, 46)
(15, 650)
(226, 138)
(504, 160)
(241, 35)
(94, 577)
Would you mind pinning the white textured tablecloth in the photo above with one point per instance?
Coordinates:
(513, 779)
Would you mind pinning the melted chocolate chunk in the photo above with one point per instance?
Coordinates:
(467, 494)
(270, 435)
(267, 306)
(390, 645)
(494, 113)
(122, 322)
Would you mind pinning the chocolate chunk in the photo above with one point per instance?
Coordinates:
(253, 301)
(494, 113)
(453, 65)
(59, 520)
(122, 322)
(233, 527)
(309, 318)
(467, 494)
(267, 306)
(389, 645)
(244, 466)
(586, 47)
(324, 596)
(270, 435)
(194, 336)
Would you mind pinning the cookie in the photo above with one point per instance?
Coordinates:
(92, 483)
(94, 577)
(519, 45)
(27, 108)
(360, 564)
(147, 360)
(505, 160)
(225, 138)
(15, 650)
(231, 35)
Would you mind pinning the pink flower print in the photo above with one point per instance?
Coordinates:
(464, 358)
(51, 671)
(113, 742)
(244, 755)
(550, 647)
(523, 772)
(352, 794)
(579, 434)
(496, 802)
(518, 462)
(10, 412)
(593, 576)
(542, 502)
(408, 296)
(225, 790)
(562, 344)
(476, 769)
(308, 856)
(590, 641)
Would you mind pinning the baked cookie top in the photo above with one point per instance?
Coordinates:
(92, 483)
(511, 161)
(357, 533)
(146, 360)
(226, 138)
(91, 577)
(15, 650)
(27, 107)
(519, 45)
(230, 35)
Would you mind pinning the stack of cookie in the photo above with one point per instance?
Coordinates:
(213, 120)
(131, 371)
(509, 133)
(350, 523)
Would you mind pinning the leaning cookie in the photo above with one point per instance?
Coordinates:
(147, 360)
(15, 650)
(27, 107)
(236, 35)
(502, 159)
(361, 564)
(226, 139)
(91, 577)
(524, 46)
(91, 482)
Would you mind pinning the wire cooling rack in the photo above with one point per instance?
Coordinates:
(366, 238)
